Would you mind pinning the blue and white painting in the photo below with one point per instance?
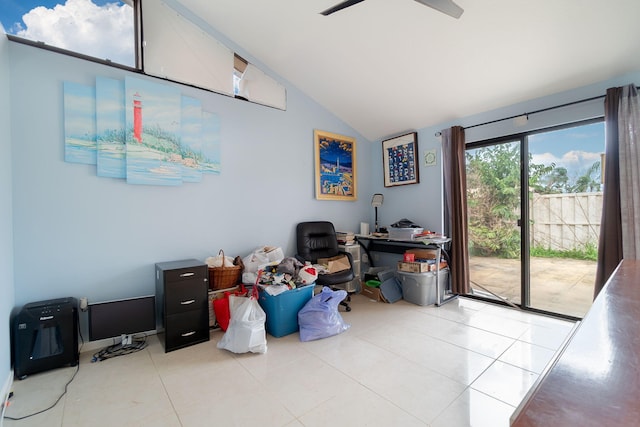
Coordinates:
(153, 115)
(79, 123)
(191, 139)
(210, 143)
(110, 128)
(144, 132)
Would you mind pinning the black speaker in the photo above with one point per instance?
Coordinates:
(45, 336)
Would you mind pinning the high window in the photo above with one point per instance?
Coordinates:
(172, 46)
(103, 29)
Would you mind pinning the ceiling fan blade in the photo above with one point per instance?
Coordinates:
(340, 6)
(445, 6)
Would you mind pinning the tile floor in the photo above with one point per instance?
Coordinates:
(466, 363)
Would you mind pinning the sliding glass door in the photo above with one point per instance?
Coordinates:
(494, 210)
(550, 181)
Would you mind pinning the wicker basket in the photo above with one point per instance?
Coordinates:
(224, 277)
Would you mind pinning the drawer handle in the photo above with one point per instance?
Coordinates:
(187, 274)
(191, 301)
(188, 334)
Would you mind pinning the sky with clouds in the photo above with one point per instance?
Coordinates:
(100, 28)
(574, 148)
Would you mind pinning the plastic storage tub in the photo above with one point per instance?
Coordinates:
(420, 288)
(404, 233)
(282, 309)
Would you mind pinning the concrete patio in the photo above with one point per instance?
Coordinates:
(557, 285)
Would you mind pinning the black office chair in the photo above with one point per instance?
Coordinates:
(317, 239)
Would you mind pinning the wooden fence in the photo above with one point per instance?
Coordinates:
(565, 221)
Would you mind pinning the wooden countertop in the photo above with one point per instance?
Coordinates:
(595, 380)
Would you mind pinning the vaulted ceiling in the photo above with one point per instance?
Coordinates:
(386, 67)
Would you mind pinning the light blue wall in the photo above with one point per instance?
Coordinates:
(6, 217)
(80, 235)
(422, 203)
(75, 234)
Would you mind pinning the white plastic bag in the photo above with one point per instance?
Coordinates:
(219, 261)
(319, 318)
(255, 260)
(246, 332)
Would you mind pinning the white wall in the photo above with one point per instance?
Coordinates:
(6, 219)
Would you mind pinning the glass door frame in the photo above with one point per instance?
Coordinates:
(525, 232)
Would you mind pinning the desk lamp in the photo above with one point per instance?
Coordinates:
(376, 202)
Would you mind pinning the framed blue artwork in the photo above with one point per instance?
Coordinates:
(335, 157)
(400, 160)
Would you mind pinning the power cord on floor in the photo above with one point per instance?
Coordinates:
(66, 386)
(54, 404)
(116, 350)
(5, 404)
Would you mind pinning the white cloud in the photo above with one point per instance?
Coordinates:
(576, 162)
(81, 26)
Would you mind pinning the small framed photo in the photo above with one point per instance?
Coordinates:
(400, 160)
(335, 171)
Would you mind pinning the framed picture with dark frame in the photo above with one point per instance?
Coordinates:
(335, 166)
(400, 160)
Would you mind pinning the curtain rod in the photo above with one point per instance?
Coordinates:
(438, 134)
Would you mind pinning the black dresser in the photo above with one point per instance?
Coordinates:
(181, 300)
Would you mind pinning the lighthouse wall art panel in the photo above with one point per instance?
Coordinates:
(153, 116)
(190, 137)
(143, 132)
(210, 143)
(335, 166)
(110, 128)
(79, 123)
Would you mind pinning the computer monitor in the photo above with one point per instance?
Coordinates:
(122, 318)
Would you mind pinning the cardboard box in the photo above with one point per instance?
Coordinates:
(420, 267)
(336, 263)
(422, 253)
(373, 293)
(413, 267)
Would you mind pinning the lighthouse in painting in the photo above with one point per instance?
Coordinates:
(137, 117)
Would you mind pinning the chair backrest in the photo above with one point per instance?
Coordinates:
(316, 239)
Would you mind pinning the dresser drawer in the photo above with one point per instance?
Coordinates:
(197, 273)
(181, 297)
(186, 329)
(182, 302)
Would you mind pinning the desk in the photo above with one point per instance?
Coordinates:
(370, 243)
(595, 380)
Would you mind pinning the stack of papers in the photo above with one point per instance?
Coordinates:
(345, 237)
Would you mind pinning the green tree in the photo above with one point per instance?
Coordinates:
(493, 195)
(556, 181)
(493, 198)
(588, 182)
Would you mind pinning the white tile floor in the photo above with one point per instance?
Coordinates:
(466, 363)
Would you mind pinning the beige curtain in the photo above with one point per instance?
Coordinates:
(455, 206)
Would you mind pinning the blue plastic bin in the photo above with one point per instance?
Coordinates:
(282, 310)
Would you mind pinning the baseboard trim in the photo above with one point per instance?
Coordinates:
(6, 389)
